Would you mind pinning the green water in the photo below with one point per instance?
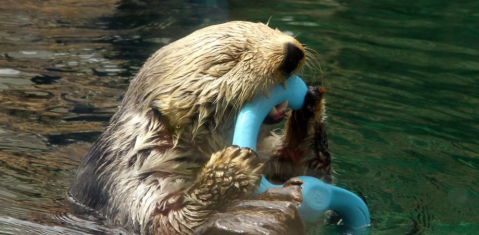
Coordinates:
(402, 80)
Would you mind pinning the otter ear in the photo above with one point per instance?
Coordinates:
(155, 104)
(155, 108)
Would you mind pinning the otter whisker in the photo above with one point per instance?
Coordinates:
(269, 20)
(314, 63)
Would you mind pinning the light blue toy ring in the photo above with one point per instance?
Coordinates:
(318, 197)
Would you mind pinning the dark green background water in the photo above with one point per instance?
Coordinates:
(402, 89)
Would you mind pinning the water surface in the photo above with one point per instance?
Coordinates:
(402, 89)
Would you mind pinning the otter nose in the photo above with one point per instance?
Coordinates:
(293, 56)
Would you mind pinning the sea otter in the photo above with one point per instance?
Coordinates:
(165, 164)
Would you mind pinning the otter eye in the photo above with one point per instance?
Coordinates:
(293, 56)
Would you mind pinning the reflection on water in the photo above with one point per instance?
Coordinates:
(402, 81)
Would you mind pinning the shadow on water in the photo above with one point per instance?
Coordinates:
(401, 79)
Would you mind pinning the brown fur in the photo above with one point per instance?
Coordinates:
(163, 165)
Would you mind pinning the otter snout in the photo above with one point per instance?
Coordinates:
(293, 55)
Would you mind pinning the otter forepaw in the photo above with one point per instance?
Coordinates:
(291, 192)
(301, 121)
(230, 174)
(312, 101)
(235, 167)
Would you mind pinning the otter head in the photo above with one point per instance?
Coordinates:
(198, 83)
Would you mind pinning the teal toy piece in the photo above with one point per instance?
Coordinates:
(318, 197)
(252, 114)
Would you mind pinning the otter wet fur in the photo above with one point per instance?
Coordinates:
(165, 164)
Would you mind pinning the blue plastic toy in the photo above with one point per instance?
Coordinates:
(318, 197)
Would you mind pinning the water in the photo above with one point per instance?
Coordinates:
(402, 89)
